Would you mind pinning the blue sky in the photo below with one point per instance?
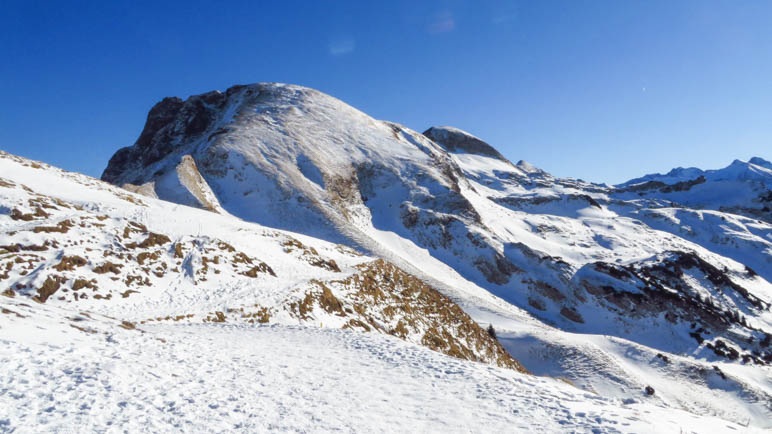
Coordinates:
(599, 90)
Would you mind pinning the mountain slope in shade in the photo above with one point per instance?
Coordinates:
(510, 243)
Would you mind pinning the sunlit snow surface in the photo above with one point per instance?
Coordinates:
(220, 378)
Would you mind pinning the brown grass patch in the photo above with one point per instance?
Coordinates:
(108, 267)
(10, 312)
(62, 227)
(260, 268)
(128, 292)
(143, 256)
(218, 317)
(50, 286)
(262, 315)
(79, 284)
(382, 290)
(127, 325)
(69, 263)
(130, 199)
(84, 329)
(178, 251)
(38, 214)
(153, 239)
(327, 264)
(16, 248)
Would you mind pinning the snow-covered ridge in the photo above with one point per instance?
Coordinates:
(743, 188)
(755, 168)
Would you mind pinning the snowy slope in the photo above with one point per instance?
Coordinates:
(511, 244)
(67, 371)
(583, 225)
(210, 336)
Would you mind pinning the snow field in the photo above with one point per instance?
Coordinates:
(224, 378)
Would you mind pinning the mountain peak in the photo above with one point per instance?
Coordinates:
(457, 140)
(760, 162)
(528, 167)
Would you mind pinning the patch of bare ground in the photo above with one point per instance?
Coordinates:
(216, 317)
(260, 268)
(127, 325)
(261, 315)
(69, 263)
(36, 215)
(79, 284)
(108, 267)
(152, 239)
(62, 227)
(572, 314)
(11, 312)
(50, 286)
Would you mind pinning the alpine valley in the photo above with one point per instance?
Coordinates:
(269, 258)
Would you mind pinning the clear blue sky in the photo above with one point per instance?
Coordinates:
(600, 90)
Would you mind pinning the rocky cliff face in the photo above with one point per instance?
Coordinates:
(170, 122)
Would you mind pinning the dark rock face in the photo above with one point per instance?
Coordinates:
(457, 141)
(121, 161)
(683, 185)
(665, 188)
(159, 116)
(169, 122)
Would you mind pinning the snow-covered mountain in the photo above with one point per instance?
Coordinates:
(657, 290)
(743, 188)
(448, 207)
(125, 312)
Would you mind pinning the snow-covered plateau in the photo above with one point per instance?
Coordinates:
(269, 258)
